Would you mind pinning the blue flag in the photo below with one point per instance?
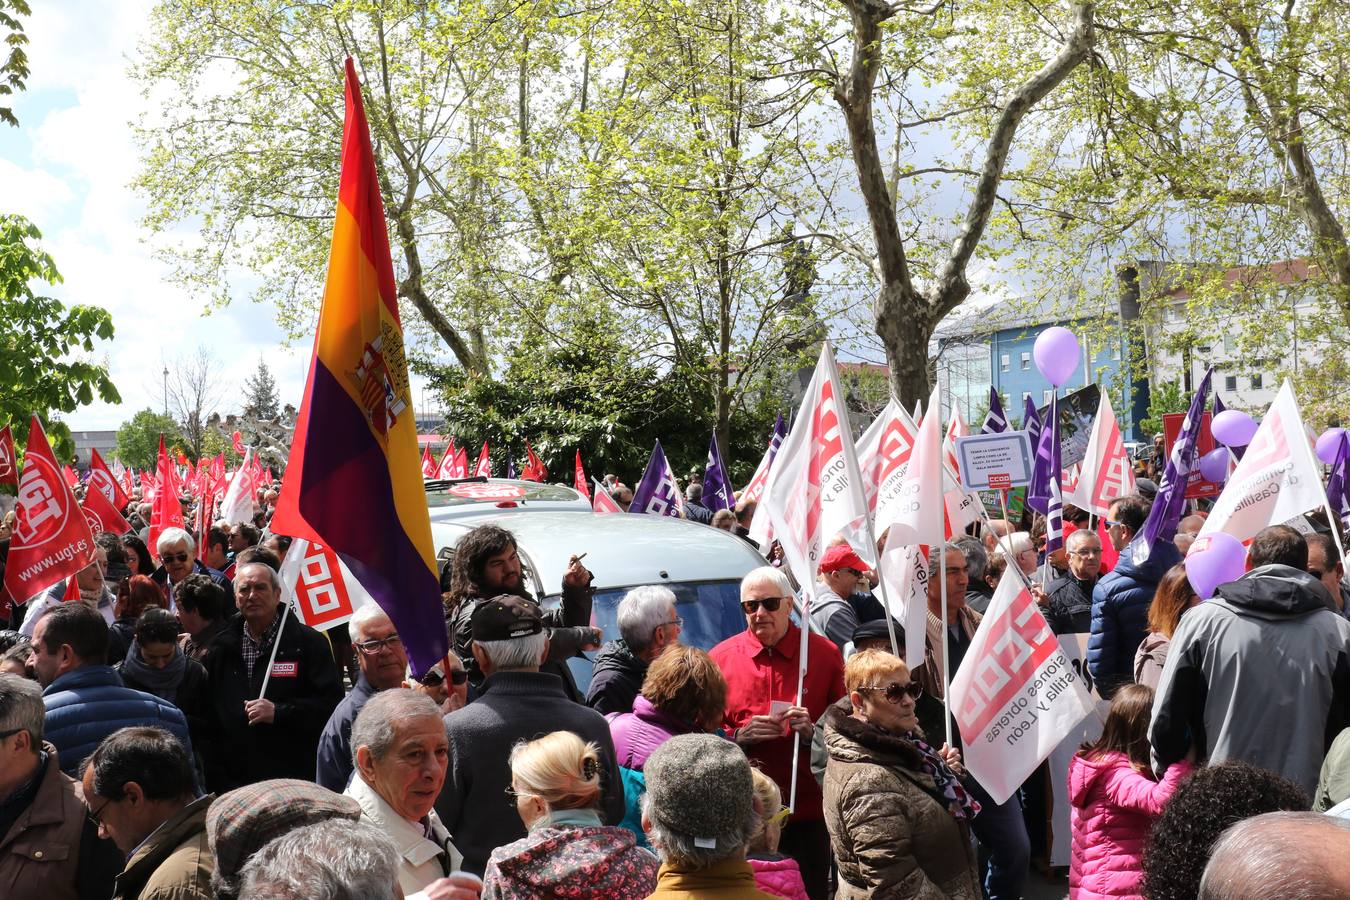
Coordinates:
(995, 422)
(657, 493)
(717, 492)
(1163, 518)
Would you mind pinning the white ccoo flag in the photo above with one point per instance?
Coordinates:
(1105, 475)
(323, 589)
(962, 507)
(237, 507)
(1277, 479)
(1016, 696)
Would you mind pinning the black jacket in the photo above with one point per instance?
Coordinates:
(616, 679)
(161, 577)
(1068, 607)
(305, 688)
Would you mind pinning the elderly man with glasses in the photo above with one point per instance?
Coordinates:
(1069, 600)
(176, 551)
(762, 714)
(383, 663)
(272, 731)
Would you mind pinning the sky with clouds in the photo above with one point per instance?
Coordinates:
(68, 168)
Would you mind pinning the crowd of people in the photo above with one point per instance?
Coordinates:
(167, 731)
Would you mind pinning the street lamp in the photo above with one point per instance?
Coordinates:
(166, 390)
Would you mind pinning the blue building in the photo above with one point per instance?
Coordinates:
(994, 346)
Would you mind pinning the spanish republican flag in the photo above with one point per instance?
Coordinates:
(354, 478)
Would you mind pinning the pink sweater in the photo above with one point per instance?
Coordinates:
(1113, 805)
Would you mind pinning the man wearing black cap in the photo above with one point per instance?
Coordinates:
(516, 703)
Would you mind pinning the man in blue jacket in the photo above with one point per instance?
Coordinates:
(1121, 599)
(85, 700)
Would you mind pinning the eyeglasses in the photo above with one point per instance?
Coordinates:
(175, 557)
(1110, 524)
(434, 678)
(513, 796)
(770, 604)
(97, 815)
(677, 622)
(370, 648)
(780, 817)
(10, 733)
(1089, 551)
(854, 572)
(1316, 573)
(894, 691)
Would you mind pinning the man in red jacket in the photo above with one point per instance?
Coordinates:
(761, 666)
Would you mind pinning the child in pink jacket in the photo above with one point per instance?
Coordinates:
(775, 873)
(1114, 801)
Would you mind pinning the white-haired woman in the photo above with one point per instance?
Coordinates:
(569, 852)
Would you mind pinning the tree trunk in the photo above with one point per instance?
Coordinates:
(905, 328)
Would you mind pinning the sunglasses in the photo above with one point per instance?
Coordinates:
(434, 678)
(780, 817)
(175, 557)
(770, 604)
(894, 692)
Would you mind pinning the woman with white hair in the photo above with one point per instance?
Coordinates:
(569, 851)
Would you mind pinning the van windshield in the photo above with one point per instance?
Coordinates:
(711, 611)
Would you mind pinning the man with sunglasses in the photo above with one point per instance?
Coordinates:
(761, 667)
(383, 662)
(177, 554)
(841, 572)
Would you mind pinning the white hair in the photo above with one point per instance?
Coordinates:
(1077, 536)
(172, 536)
(688, 851)
(1013, 544)
(776, 578)
(273, 575)
(329, 860)
(515, 653)
(375, 723)
(366, 615)
(641, 611)
(1277, 854)
(21, 708)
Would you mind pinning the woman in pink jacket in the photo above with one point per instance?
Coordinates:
(1114, 801)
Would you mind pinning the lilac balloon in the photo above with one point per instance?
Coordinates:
(1329, 444)
(1057, 354)
(1233, 428)
(1214, 465)
(1214, 559)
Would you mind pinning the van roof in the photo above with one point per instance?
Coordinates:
(622, 549)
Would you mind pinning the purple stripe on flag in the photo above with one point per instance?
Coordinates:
(372, 543)
(1054, 517)
(1163, 518)
(717, 493)
(995, 421)
(1338, 485)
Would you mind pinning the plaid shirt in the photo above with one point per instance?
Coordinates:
(253, 650)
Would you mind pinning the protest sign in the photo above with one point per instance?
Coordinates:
(994, 461)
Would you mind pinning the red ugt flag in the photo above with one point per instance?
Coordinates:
(102, 515)
(51, 539)
(167, 512)
(101, 478)
(9, 470)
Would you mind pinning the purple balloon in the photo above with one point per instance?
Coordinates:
(1214, 559)
(1329, 444)
(1214, 465)
(1233, 428)
(1057, 354)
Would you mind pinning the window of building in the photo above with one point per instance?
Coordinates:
(1026, 361)
(1026, 395)
(1258, 381)
(1230, 382)
(1046, 397)
(1004, 363)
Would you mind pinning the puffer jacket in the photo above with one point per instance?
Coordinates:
(779, 876)
(890, 828)
(571, 861)
(1150, 659)
(1120, 603)
(1112, 806)
(87, 704)
(636, 735)
(616, 678)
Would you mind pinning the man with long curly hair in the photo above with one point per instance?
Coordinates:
(486, 565)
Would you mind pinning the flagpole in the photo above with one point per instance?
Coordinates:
(801, 679)
(1333, 522)
(946, 651)
(276, 642)
(881, 585)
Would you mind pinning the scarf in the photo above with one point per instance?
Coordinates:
(568, 818)
(959, 802)
(163, 683)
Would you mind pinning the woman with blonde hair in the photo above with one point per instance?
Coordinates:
(775, 873)
(898, 815)
(555, 785)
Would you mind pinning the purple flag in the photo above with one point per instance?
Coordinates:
(510, 466)
(1054, 515)
(995, 422)
(1031, 423)
(1338, 485)
(1218, 408)
(1045, 466)
(657, 493)
(716, 483)
(1161, 524)
(1218, 404)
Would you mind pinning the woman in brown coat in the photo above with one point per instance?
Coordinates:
(897, 814)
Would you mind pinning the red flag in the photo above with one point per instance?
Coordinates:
(167, 512)
(534, 467)
(428, 463)
(484, 467)
(9, 470)
(128, 482)
(447, 467)
(181, 457)
(101, 515)
(100, 477)
(237, 441)
(51, 539)
(70, 477)
(580, 481)
(218, 482)
(461, 469)
(602, 502)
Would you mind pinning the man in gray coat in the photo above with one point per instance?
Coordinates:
(1260, 673)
